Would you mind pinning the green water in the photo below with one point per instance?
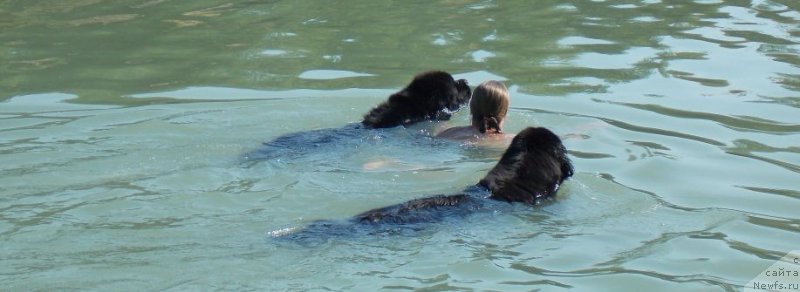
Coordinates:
(124, 129)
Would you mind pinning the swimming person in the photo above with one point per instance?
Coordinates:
(488, 107)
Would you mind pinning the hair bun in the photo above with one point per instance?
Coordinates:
(489, 123)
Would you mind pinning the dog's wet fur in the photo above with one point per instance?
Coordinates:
(431, 95)
(531, 170)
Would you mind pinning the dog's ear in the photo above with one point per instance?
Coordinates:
(434, 89)
(500, 177)
(545, 141)
(451, 94)
(567, 170)
(463, 93)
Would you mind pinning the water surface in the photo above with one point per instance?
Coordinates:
(125, 128)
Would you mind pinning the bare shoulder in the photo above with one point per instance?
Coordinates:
(458, 133)
(472, 136)
(501, 140)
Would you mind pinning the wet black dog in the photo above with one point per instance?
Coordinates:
(531, 170)
(433, 95)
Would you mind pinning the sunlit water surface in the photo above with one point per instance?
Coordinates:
(127, 130)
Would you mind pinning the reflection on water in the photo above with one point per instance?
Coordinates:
(546, 48)
(123, 125)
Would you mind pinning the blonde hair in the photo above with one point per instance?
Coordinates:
(489, 105)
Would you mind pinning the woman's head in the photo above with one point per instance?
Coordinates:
(489, 106)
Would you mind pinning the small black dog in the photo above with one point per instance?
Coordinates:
(532, 169)
(431, 95)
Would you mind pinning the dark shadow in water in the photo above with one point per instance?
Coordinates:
(297, 144)
(348, 147)
(338, 143)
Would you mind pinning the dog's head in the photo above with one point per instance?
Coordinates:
(431, 95)
(438, 91)
(532, 168)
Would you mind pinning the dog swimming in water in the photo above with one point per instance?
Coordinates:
(432, 95)
(531, 170)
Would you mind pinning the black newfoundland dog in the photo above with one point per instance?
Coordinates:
(531, 170)
(432, 95)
